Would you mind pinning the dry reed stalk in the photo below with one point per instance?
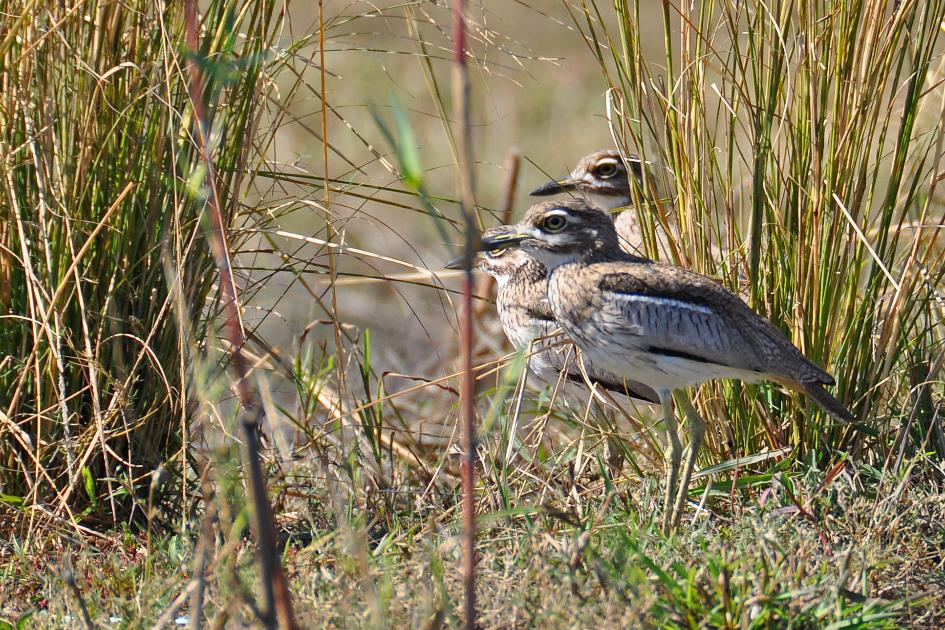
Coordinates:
(512, 163)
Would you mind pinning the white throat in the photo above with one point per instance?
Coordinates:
(606, 202)
(551, 259)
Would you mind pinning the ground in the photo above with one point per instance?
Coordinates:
(781, 551)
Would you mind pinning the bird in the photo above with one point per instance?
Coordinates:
(603, 179)
(664, 326)
(522, 305)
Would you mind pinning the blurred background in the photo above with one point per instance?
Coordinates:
(535, 89)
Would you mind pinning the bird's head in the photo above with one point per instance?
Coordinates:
(501, 263)
(602, 177)
(558, 232)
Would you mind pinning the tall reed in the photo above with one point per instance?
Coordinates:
(108, 296)
(795, 152)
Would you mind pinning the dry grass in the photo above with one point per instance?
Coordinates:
(805, 144)
(108, 316)
(584, 556)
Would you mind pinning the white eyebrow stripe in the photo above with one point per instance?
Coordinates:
(613, 161)
(662, 302)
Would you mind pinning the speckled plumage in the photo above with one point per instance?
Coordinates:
(525, 315)
(678, 324)
(668, 327)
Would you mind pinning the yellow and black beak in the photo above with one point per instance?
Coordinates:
(554, 187)
(505, 240)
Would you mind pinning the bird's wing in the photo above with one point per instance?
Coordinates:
(682, 314)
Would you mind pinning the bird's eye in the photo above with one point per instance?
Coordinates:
(554, 223)
(606, 169)
(495, 253)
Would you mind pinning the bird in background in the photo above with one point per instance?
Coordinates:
(603, 180)
(661, 325)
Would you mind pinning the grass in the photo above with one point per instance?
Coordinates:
(806, 143)
(590, 556)
(794, 154)
(108, 311)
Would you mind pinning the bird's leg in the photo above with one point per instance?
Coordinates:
(673, 455)
(607, 424)
(696, 433)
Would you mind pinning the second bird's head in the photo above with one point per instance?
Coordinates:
(557, 232)
(602, 177)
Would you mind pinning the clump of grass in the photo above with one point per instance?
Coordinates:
(589, 552)
(108, 283)
(593, 556)
(795, 153)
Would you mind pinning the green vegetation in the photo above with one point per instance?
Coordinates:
(808, 137)
(797, 146)
(108, 283)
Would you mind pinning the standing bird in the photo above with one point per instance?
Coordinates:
(522, 304)
(603, 179)
(665, 326)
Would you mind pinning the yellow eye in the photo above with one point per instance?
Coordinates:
(496, 253)
(554, 223)
(606, 169)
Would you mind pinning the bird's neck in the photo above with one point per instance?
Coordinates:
(600, 246)
(598, 253)
(606, 201)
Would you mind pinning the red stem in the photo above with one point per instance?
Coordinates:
(467, 394)
(277, 600)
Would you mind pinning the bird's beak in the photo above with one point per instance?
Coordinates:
(460, 262)
(456, 263)
(491, 243)
(554, 187)
(502, 241)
